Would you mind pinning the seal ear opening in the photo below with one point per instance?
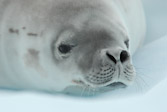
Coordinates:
(127, 43)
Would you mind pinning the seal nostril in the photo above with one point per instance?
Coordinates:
(124, 56)
(111, 57)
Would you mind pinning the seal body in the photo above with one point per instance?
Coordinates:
(31, 30)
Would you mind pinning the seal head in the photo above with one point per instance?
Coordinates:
(99, 56)
(94, 49)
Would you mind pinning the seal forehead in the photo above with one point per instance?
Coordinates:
(75, 12)
(95, 39)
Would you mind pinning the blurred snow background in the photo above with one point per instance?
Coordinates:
(156, 15)
(148, 95)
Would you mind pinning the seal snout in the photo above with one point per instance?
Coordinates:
(114, 69)
(124, 56)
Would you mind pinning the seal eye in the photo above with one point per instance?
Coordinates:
(127, 43)
(64, 48)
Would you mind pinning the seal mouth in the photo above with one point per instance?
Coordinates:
(117, 84)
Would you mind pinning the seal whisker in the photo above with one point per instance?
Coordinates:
(141, 83)
(89, 91)
(141, 79)
(127, 74)
(141, 73)
(128, 78)
(83, 90)
(131, 72)
(95, 91)
(138, 85)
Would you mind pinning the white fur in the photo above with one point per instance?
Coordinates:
(48, 76)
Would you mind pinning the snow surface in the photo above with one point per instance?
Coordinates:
(149, 94)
